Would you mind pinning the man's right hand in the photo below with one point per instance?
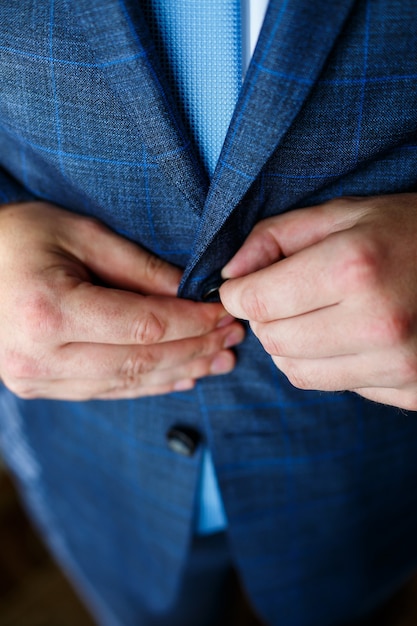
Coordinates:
(87, 314)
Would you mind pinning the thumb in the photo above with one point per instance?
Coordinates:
(283, 235)
(260, 250)
(121, 263)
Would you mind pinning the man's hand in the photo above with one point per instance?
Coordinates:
(331, 293)
(87, 314)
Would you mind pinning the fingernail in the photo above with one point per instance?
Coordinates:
(221, 364)
(184, 385)
(232, 339)
(225, 321)
(224, 272)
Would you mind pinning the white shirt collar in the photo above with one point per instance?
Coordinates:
(253, 14)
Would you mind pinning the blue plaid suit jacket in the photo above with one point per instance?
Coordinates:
(320, 489)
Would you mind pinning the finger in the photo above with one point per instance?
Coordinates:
(134, 386)
(260, 250)
(102, 361)
(221, 363)
(304, 282)
(337, 330)
(79, 390)
(343, 373)
(90, 313)
(401, 398)
(118, 261)
(184, 385)
(284, 235)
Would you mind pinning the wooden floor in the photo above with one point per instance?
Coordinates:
(33, 592)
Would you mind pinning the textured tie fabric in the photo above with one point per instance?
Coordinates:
(199, 45)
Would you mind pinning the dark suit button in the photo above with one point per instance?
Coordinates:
(211, 293)
(183, 440)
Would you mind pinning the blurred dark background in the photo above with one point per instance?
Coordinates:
(33, 591)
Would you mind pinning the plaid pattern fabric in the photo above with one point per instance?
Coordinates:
(319, 489)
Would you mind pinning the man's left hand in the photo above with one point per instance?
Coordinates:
(331, 293)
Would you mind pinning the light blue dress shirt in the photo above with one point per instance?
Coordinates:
(208, 121)
(211, 516)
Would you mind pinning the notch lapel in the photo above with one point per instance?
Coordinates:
(121, 45)
(295, 40)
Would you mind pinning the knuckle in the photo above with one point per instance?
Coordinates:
(22, 367)
(296, 377)
(269, 340)
(147, 329)
(22, 373)
(41, 320)
(362, 264)
(254, 306)
(137, 365)
(22, 388)
(90, 227)
(152, 267)
(204, 346)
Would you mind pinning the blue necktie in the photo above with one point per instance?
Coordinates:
(199, 45)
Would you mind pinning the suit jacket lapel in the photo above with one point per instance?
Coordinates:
(122, 47)
(294, 43)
